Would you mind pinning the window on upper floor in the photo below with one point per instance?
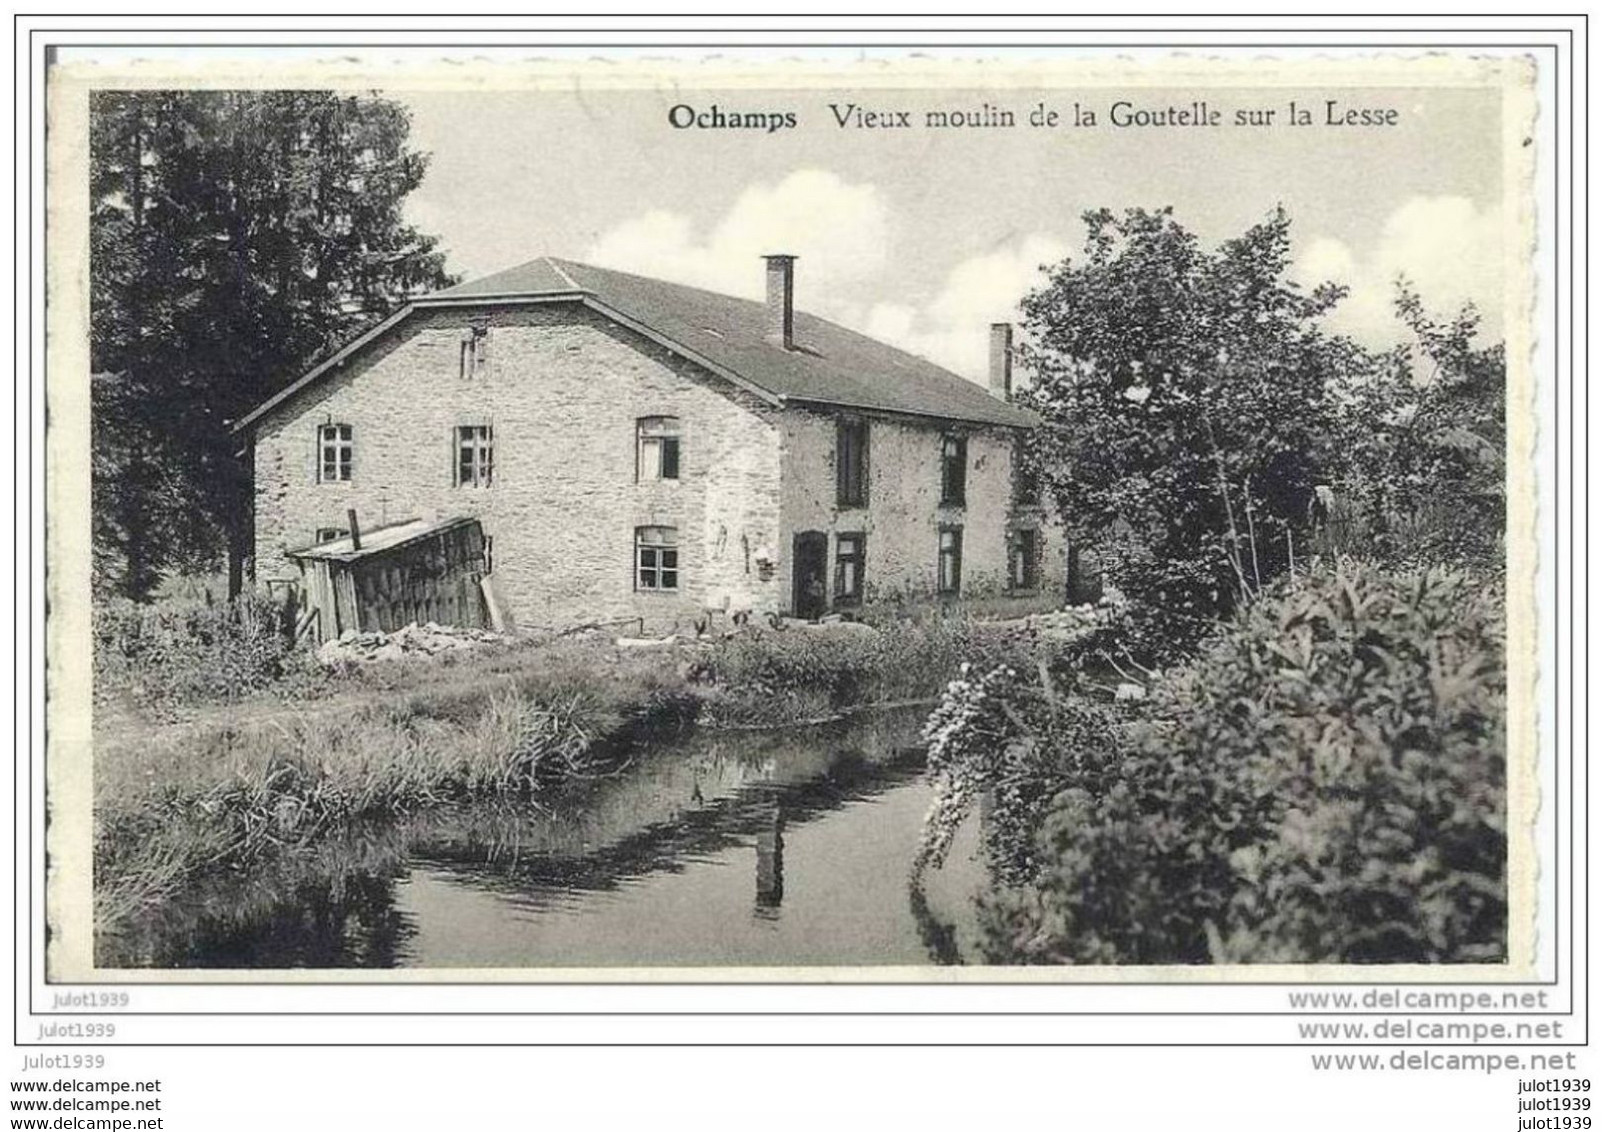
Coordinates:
(950, 560)
(329, 534)
(657, 449)
(656, 559)
(1025, 475)
(953, 468)
(1023, 559)
(475, 350)
(475, 455)
(336, 453)
(849, 554)
(851, 463)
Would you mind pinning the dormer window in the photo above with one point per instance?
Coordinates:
(657, 449)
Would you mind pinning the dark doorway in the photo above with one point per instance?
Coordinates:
(810, 570)
(1084, 576)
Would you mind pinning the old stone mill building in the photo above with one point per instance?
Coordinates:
(636, 449)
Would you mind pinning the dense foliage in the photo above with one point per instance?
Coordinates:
(1425, 475)
(1192, 409)
(1324, 783)
(809, 674)
(180, 652)
(234, 237)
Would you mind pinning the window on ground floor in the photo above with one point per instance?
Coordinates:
(1023, 559)
(950, 560)
(656, 559)
(849, 553)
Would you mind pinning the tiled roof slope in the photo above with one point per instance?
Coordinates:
(829, 364)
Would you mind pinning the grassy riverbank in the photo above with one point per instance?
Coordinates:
(212, 788)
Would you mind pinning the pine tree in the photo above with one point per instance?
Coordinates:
(236, 236)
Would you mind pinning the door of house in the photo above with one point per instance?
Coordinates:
(810, 572)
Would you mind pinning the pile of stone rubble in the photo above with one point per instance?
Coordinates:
(414, 640)
(1066, 624)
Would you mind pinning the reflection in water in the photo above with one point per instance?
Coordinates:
(939, 936)
(652, 866)
(330, 906)
(770, 864)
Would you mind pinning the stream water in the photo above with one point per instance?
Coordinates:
(786, 848)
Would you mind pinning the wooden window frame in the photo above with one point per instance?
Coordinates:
(656, 554)
(480, 440)
(955, 553)
(1023, 546)
(340, 440)
(953, 469)
(666, 435)
(474, 352)
(851, 462)
(859, 558)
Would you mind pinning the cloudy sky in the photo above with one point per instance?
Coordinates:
(924, 237)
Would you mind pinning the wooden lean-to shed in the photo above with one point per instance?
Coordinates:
(385, 579)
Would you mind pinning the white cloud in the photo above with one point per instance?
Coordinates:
(1449, 250)
(953, 328)
(840, 231)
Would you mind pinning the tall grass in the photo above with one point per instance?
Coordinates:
(177, 806)
(804, 675)
(192, 649)
(222, 800)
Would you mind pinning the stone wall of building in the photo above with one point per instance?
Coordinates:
(562, 389)
(904, 513)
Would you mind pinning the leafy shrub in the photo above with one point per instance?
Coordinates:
(182, 652)
(1426, 468)
(804, 673)
(1325, 783)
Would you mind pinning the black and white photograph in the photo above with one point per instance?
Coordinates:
(837, 522)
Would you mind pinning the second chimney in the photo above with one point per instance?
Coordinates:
(1001, 360)
(781, 300)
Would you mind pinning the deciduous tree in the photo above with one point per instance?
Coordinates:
(1192, 407)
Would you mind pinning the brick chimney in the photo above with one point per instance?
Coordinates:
(1001, 360)
(781, 300)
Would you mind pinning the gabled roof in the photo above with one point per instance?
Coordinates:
(829, 365)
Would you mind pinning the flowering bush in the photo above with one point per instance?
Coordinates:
(1003, 742)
